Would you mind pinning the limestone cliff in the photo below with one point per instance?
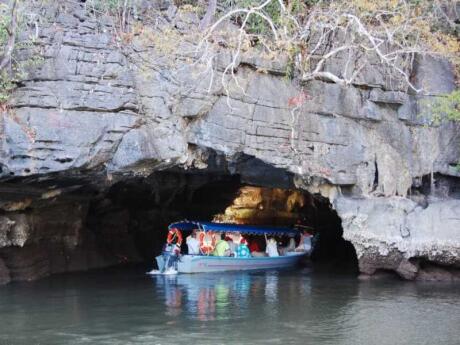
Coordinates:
(98, 111)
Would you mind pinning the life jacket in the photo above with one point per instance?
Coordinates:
(207, 242)
(174, 236)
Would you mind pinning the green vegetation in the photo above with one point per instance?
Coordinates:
(105, 6)
(6, 39)
(7, 85)
(446, 107)
(442, 108)
(13, 67)
(256, 24)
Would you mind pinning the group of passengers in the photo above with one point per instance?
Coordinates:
(235, 245)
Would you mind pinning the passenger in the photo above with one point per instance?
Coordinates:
(171, 251)
(228, 236)
(231, 243)
(232, 247)
(255, 248)
(237, 238)
(193, 244)
(234, 240)
(305, 242)
(290, 247)
(271, 248)
(242, 251)
(222, 247)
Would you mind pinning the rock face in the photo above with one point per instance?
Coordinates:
(390, 232)
(94, 112)
(51, 237)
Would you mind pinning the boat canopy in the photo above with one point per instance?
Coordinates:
(226, 227)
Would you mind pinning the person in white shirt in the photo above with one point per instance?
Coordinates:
(271, 248)
(193, 244)
(305, 242)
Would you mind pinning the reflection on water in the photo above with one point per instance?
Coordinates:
(288, 307)
(205, 297)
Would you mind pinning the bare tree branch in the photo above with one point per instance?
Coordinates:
(389, 34)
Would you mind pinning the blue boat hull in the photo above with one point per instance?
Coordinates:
(202, 264)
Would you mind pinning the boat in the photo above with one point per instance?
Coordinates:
(208, 263)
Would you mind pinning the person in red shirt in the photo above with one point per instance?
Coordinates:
(254, 246)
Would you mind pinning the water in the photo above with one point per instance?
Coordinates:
(123, 306)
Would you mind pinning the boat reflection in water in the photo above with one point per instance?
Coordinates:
(206, 297)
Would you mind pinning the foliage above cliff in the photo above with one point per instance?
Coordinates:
(336, 41)
(357, 33)
(12, 67)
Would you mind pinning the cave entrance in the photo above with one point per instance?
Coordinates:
(134, 214)
(331, 251)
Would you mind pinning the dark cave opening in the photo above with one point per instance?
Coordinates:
(331, 250)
